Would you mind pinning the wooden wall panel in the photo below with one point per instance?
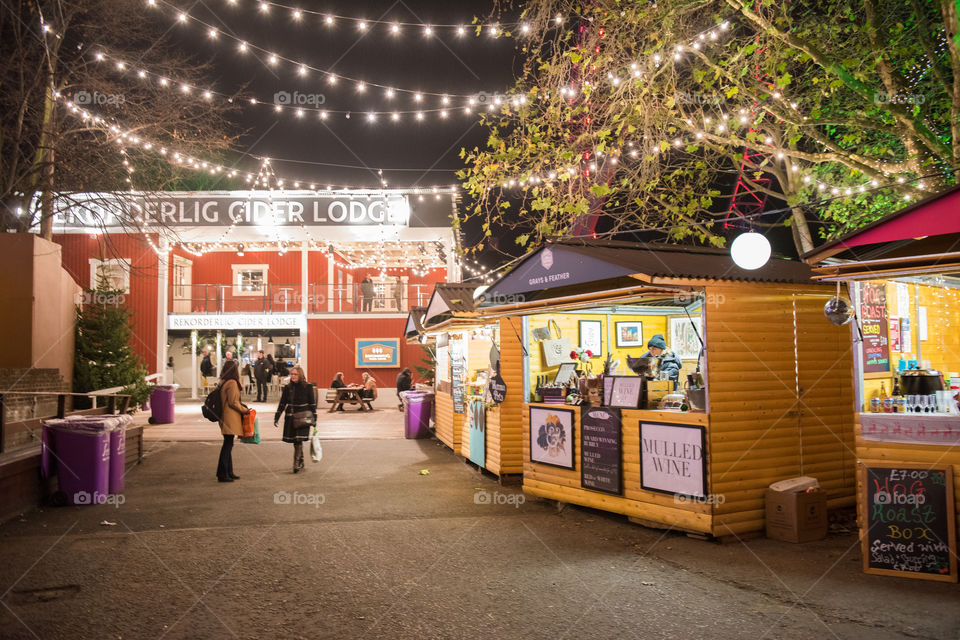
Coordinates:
(773, 417)
(505, 423)
(449, 425)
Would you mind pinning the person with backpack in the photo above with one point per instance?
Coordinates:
(298, 405)
(231, 417)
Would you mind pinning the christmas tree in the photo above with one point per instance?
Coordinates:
(427, 370)
(104, 357)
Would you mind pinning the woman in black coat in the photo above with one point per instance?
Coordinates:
(297, 397)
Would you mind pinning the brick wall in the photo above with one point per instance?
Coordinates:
(17, 407)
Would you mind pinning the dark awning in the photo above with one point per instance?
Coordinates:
(449, 299)
(414, 326)
(568, 265)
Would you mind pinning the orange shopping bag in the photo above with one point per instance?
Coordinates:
(248, 423)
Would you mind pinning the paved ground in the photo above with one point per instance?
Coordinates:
(365, 545)
(189, 425)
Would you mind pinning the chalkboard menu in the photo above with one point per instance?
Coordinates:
(600, 450)
(908, 511)
(457, 374)
(873, 323)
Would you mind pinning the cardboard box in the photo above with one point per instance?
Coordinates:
(796, 516)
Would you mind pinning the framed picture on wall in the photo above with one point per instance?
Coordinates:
(684, 340)
(551, 436)
(629, 334)
(591, 336)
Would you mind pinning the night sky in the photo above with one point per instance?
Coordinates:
(411, 153)
(426, 151)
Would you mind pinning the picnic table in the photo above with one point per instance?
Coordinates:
(348, 395)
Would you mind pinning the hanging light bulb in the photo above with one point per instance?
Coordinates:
(750, 250)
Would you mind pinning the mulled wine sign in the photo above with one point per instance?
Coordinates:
(908, 522)
(672, 459)
(601, 450)
(873, 324)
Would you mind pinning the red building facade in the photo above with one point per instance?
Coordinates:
(279, 272)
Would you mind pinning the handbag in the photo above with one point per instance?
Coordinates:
(316, 451)
(249, 423)
(303, 418)
(556, 351)
(255, 438)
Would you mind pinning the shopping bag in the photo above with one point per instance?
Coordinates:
(316, 451)
(249, 423)
(556, 351)
(255, 438)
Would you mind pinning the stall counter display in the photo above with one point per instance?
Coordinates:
(555, 481)
(750, 438)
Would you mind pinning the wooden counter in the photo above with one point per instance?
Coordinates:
(564, 484)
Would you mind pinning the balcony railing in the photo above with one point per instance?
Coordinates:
(380, 297)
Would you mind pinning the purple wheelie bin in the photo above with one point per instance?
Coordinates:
(162, 403)
(74, 446)
(81, 451)
(418, 406)
(118, 444)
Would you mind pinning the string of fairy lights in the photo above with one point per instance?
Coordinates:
(330, 20)
(363, 25)
(128, 137)
(722, 125)
(297, 104)
(717, 127)
(302, 69)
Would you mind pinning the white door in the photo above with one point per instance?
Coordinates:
(182, 285)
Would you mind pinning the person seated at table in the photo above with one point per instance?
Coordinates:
(338, 383)
(369, 390)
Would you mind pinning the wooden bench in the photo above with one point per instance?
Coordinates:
(348, 395)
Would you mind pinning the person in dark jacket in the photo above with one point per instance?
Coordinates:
(366, 294)
(668, 364)
(261, 371)
(206, 367)
(296, 398)
(272, 364)
(404, 383)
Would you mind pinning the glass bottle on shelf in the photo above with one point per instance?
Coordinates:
(885, 400)
(898, 401)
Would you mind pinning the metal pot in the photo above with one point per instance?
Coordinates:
(696, 399)
(921, 382)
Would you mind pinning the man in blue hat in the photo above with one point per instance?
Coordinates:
(667, 363)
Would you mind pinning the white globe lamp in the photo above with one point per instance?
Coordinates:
(750, 250)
